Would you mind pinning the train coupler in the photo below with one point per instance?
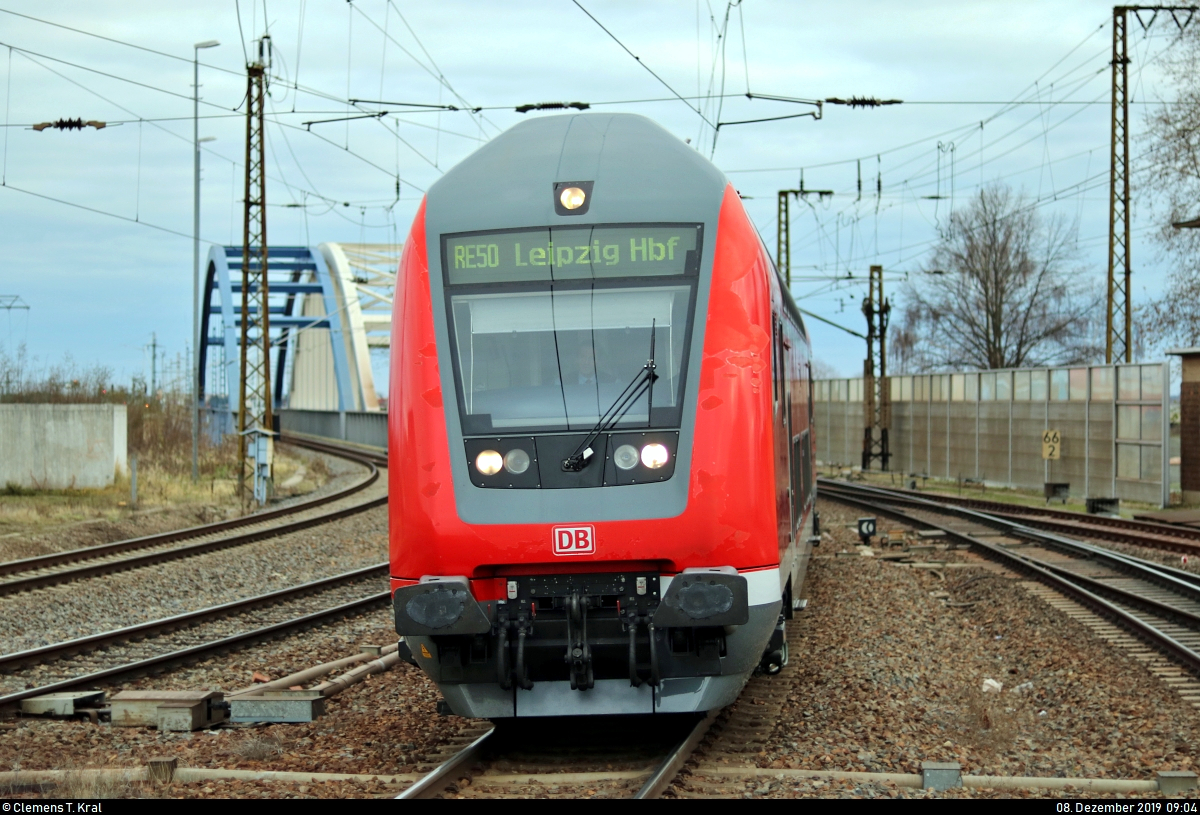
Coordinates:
(579, 651)
(523, 626)
(632, 621)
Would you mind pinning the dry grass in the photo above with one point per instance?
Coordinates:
(160, 436)
(159, 485)
(84, 785)
(12, 789)
(996, 724)
(260, 748)
(78, 783)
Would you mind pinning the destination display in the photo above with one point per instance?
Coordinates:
(571, 253)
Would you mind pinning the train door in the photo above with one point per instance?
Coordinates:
(803, 477)
(785, 388)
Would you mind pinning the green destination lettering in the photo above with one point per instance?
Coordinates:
(572, 253)
(586, 255)
(651, 250)
(476, 256)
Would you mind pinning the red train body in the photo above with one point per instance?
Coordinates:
(538, 566)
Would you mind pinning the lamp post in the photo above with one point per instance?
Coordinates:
(196, 254)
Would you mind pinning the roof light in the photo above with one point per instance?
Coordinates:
(572, 198)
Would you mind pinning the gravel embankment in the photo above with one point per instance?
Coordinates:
(72, 610)
(201, 633)
(882, 677)
(886, 677)
(1150, 553)
(386, 725)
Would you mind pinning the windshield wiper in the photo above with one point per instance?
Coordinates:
(642, 383)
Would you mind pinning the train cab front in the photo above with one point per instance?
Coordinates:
(633, 641)
(583, 512)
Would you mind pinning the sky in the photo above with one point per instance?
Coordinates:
(95, 225)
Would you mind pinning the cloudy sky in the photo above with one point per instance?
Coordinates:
(1010, 91)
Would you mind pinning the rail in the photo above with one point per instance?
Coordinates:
(209, 537)
(1083, 588)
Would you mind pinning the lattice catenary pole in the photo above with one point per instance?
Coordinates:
(1118, 345)
(877, 395)
(254, 401)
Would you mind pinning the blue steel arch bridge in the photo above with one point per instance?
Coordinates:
(330, 316)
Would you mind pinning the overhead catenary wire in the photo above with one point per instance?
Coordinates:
(1017, 100)
(289, 84)
(1041, 115)
(432, 68)
(1058, 194)
(1040, 100)
(7, 100)
(237, 5)
(638, 59)
(138, 118)
(106, 213)
(849, 225)
(299, 43)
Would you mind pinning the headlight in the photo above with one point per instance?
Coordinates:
(626, 457)
(572, 198)
(516, 461)
(654, 455)
(489, 462)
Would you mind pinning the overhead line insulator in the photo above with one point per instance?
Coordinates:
(70, 124)
(552, 106)
(863, 102)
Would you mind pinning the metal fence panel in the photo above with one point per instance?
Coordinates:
(357, 427)
(1113, 421)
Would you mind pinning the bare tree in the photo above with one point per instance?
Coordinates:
(823, 370)
(1170, 179)
(1000, 290)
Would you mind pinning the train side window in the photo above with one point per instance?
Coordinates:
(801, 475)
(781, 372)
(809, 388)
(806, 472)
(776, 362)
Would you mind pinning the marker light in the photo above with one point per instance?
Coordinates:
(655, 455)
(516, 461)
(489, 462)
(626, 457)
(572, 197)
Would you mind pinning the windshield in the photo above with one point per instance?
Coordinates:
(554, 352)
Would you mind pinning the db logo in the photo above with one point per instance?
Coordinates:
(574, 540)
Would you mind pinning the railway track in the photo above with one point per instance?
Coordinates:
(1170, 537)
(63, 567)
(626, 757)
(185, 637)
(1156, 603)
(610, 757)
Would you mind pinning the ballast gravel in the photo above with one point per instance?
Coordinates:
(887, 676)
(882, 677)
(386, 725)
(85, 607)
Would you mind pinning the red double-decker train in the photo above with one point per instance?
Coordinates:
(600, 435)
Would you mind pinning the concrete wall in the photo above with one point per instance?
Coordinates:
(988, 426)
(63, 446)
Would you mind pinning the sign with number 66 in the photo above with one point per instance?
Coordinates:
(1051, 445)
